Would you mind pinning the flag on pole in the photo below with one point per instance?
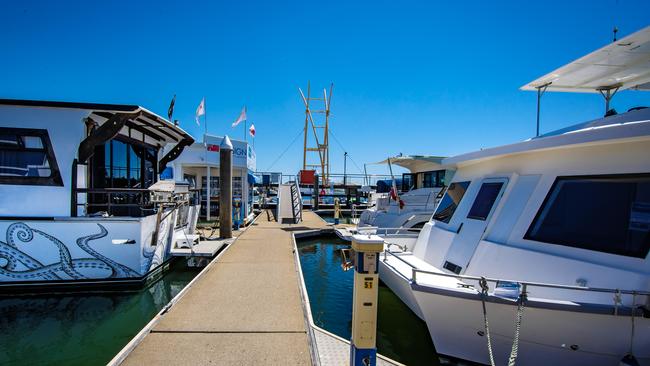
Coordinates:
(242, 117)
(251, 130)
(200, 111)
(170, 111)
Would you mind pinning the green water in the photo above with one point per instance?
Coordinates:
(401, 335)
(81, 329)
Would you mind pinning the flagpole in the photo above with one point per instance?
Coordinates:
(207, 164)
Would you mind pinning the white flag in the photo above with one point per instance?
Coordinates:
(200, 111)
(251, 130)
(242, 117)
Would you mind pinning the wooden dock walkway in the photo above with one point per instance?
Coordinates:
(245, 309)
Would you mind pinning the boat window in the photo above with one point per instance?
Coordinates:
(122, 163)
(608, 214)
(27, 157)
(484, 201)
(450, 201)
(408, 182)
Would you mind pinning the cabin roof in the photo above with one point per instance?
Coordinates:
(630, 125)
(623, 64)
(146, 121)
(416, 163)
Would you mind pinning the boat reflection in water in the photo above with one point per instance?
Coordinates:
(81, 329)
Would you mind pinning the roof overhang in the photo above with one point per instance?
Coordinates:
(621, 65)
(139, 118)
(416, 163)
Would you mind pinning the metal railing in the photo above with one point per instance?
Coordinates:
(115, 201)
(415, 271)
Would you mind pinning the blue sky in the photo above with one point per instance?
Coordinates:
(438, 78)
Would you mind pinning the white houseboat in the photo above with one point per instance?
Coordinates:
(192, 166)
(538, 250)
(80, 201)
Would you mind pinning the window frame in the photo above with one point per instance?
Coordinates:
(433, 216)
(550, 193)
(55, 174)
(499, 192)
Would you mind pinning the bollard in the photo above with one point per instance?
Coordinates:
(363, 349)
(225, 188)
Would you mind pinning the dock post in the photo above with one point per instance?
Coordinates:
(225, 188)
(363, 347)
(316, 193)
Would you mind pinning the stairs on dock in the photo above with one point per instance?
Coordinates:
(289, 208)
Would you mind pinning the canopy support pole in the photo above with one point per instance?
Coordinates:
(607, 93)
(540, 91)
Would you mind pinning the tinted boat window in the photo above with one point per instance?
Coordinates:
(450, 201)
(484, 201)
(26, 157)
(603, 213)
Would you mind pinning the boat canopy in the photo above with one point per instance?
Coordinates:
(416, 163)
(621, 65)
(109, 120)
(140, 118)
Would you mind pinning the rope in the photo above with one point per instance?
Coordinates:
(344, 149)
(285, 150)
(520, 312)
(484, 294)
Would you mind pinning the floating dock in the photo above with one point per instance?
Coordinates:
(248, 306)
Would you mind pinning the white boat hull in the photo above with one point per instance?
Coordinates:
(85, 248)
(548, 337)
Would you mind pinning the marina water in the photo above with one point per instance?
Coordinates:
(83, 329)
(401, 335)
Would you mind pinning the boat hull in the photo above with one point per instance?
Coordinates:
(547, 336)
(86, 249)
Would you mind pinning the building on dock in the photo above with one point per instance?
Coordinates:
(192, 165)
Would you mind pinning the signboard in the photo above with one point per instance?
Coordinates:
(243, 154)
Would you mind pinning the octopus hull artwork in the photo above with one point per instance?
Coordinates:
(83, 205)
(66, 254)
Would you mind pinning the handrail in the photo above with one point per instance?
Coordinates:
(527, 283)
(415, 270)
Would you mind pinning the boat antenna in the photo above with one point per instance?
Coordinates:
(615, 30)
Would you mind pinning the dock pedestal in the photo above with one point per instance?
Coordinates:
(363, 348)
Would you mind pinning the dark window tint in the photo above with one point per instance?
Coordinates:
(408, 182)
(484, 201)
(450, 201)
(604, 213)
(26, 157)
(429, 180)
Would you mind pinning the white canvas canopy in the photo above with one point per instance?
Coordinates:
(416, 163)
(623, 64)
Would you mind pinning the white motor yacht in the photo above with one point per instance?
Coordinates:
(538, 251)
(81, 204)
(401, 218)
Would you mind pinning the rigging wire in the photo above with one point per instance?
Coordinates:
(345, 150)
(285, 150)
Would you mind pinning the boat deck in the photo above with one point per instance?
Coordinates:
(245, 308)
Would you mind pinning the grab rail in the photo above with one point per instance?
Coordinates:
(415, 270)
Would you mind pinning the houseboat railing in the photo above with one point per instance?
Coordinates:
(112, 195)
(415, 271)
